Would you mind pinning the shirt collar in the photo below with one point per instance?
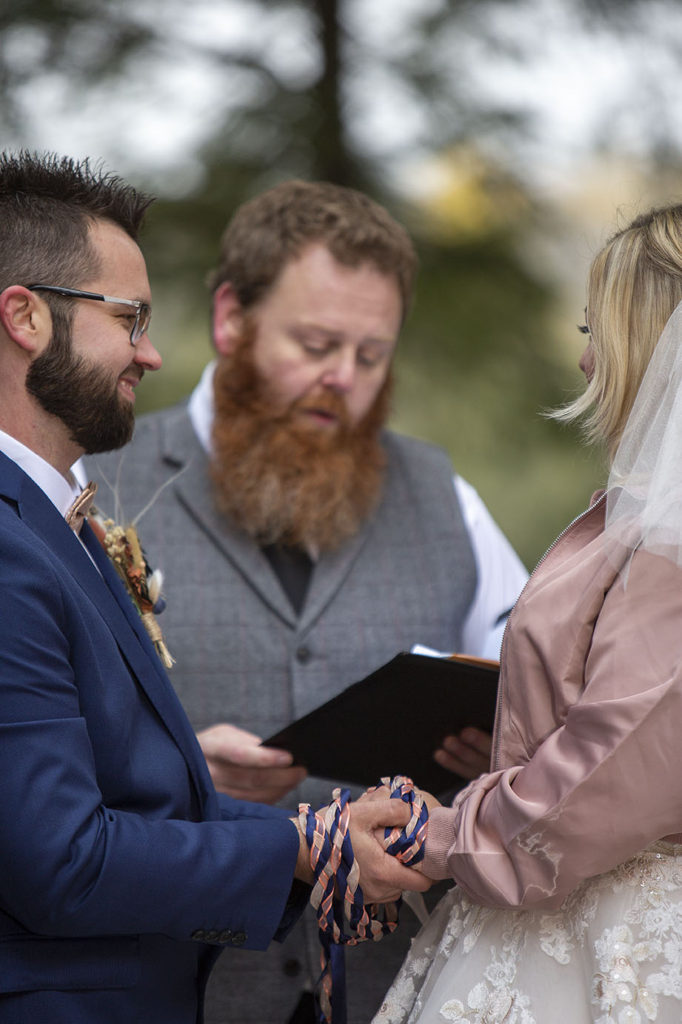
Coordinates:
(59, 490)
(200, 407)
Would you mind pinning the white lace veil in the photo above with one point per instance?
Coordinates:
(644, 501)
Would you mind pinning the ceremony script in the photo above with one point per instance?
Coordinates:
(391, 722)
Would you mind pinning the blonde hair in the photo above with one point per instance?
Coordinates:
(634, 285)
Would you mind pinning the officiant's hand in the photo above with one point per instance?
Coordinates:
(468, 754)
(245, 770)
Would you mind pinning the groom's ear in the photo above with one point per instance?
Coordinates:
(25, 318)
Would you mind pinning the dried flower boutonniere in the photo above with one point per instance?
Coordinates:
(144, 586)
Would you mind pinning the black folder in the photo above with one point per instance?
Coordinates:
(391, 722)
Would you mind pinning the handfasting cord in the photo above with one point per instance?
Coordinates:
(343, 918)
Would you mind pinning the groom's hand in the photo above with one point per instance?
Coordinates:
(381, 792)
(382, 877)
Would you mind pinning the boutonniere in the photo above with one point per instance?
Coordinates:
(123, 547)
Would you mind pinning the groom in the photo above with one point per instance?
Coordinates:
(122, 872)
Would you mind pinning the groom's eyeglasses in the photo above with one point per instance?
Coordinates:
(143, 311)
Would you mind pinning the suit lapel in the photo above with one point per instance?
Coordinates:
(329, 574)
(104, 589)
(138, 650)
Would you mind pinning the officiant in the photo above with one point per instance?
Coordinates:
(303, 543)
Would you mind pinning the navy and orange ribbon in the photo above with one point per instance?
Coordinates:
(343, 918)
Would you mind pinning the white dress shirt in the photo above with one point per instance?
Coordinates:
(61, 492)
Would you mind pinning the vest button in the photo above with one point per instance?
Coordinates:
(291, 967)
(303, 654)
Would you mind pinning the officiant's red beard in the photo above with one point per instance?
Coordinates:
(283, 481)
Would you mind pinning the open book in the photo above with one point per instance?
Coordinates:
(391, 722)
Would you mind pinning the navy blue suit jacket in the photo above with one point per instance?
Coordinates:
(121, 870)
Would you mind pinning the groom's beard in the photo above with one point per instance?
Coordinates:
(283, 481)
(82, 395)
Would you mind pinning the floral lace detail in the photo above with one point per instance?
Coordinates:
(486, 1005)
(618, 981)
(496, 998)
(612, 955)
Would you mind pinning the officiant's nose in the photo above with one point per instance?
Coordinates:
(340, 372)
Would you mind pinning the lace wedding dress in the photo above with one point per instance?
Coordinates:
(613, 953)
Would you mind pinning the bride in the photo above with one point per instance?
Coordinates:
(568, 855)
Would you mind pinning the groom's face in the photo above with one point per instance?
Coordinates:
(88, 373)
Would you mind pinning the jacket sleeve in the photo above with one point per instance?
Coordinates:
(73, 864)
(602, 786)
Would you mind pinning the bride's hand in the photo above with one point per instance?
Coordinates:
(429, 799)
(381, 792)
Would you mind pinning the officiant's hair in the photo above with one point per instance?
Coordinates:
(634, 284)
(268, 231)
(47, 204)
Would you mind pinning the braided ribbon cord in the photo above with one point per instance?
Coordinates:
(342, 916)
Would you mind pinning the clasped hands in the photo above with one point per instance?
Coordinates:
(244, 769)
(383, 878)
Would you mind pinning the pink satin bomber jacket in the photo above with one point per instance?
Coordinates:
(588, 739)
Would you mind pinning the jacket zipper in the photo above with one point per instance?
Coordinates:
(498, 704)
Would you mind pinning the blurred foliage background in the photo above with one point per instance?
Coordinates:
(510, 138)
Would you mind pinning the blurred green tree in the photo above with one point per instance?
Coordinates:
(477, 363)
